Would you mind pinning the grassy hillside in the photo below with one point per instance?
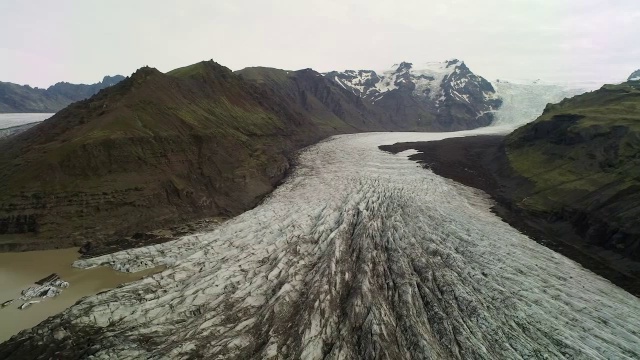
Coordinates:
(583, 157)
(16, 98)
(329, 103)
(158, 149)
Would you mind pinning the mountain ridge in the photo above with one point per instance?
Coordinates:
(437, 95)
(198, 141)
(160, 148)
(16, 98)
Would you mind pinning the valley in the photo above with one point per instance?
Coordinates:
(320, 180)
(359, 254)
(325, 247)
(158, 149)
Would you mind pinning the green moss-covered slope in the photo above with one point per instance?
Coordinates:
(583, 158)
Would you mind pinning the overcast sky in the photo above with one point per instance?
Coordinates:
(44, 41)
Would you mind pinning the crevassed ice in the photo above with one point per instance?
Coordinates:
(360, 254)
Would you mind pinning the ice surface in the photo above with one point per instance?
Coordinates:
(10, 120)
(524, 102)
(11, 124)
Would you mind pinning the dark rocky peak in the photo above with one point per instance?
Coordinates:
(215, 67)
(308, 71)
(462, 67)
(203, 71)
(144, 73)
(635, 76)
(453, 62)
(352, 74)
(447, 91)
(112, 80)
(309, 75)
(139, 77)
(403, 77)
(404, 67)
(60, 84)
(89, 88)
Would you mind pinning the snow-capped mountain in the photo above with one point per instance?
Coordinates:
(446, 94)
(635, 76)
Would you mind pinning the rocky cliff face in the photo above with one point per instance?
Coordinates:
(434, 96)
(16, 98)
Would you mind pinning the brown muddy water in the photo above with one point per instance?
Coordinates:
(19, 271)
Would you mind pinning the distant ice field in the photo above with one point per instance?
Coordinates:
(11, 120)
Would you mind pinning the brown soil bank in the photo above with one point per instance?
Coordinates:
(481, 162)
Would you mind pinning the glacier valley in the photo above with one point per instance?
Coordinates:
(360, 254)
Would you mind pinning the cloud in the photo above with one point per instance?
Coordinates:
(82, 41)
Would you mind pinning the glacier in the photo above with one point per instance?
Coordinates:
(15, 123)
(17, 119)
(523, 101)
(360, 254)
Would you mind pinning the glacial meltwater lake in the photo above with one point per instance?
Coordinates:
(19, 271)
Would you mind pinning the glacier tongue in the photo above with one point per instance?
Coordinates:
(523, 102)
(360, 254)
